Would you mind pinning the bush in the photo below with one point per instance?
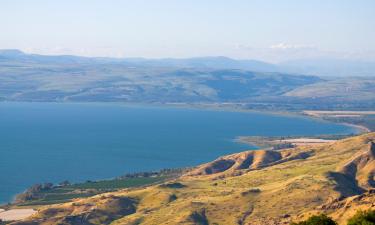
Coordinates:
(363, 218)
(317, 220)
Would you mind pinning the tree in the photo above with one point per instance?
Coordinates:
(64, 183)
(363, 218)
(317, 220)
(47, 186)
(35, 188)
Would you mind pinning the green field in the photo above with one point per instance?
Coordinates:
(61, 194)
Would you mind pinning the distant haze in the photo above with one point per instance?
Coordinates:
(319, 67)
(266, 30)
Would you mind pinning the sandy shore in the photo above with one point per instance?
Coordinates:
(342, 114)
(307, 140)
(359, 127)
(346, 113)
(15, 214)
(280, 142)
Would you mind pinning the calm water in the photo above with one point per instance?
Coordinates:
(50, 142)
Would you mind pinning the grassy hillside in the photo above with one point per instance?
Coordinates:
(120, 83)
(253, 187)
(345, 89)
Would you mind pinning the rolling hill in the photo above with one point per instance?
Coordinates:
(25, 77)
(253, 187)
(345, 89)
(30, 78)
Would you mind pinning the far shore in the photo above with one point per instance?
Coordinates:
(341, 114)
(362, 128)
(238, 107)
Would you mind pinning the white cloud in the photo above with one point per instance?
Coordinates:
(285, 46)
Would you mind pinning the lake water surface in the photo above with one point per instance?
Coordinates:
(52, 142)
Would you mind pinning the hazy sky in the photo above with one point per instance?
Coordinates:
(272, 30)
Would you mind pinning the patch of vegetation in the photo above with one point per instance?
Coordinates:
(317, 220)
(199, 217)
(118, 183)
(48, 193)
(360, 218)
(172, 198)
(174, 172)
(363, 218)
(34, 192)
(173, 185)
(251, 191)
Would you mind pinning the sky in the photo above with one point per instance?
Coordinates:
(268, 30)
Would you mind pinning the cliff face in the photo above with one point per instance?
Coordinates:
(252, 187)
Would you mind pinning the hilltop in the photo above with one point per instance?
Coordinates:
(252, 187)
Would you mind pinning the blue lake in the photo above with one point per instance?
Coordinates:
(52, 142)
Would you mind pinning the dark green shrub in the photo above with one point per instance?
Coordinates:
(173, 185)
(363, 218)
(317, 220)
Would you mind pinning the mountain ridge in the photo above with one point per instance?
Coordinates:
(38, 78)
(330, 67)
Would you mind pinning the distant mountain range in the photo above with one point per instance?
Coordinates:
(317, 67)
(31, 77)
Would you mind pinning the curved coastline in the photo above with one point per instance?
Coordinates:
(200, 108)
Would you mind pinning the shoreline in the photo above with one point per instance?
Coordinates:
(230, 107)
(364, 129)
(343, 113)
(300, 113)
